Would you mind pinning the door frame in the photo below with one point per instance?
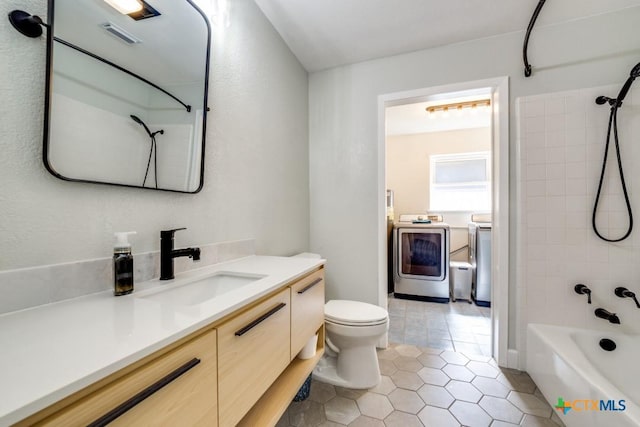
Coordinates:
(499, 88)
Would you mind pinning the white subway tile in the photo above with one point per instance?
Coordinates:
(536, 220)
(560, 246)
(536, 188)
(555, 139)
(536, 236)
(535, 156)
(577, 187)
(556, 187)
(534, 124)
(556, 205)
(554, 106)
(555, 171)
(535, 204)
(576, 153)
(556, 122)
(576, 237)
(536, 252)
(555, 155)
(576, 121)
(575, 169)
(575, 136)
(536, 172)
(556, 236)
(534, 108)
(535, 139)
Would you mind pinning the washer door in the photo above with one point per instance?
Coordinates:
(422, 254)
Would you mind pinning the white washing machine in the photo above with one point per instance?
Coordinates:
(480, 258)
(421, 258)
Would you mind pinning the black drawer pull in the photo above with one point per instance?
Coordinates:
(260, 319)
(310, 285)
(124, 407)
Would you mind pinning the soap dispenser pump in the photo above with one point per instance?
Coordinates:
(122, 264)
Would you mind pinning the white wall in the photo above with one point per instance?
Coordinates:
(256, 174)
(343, 125)
(408, 168)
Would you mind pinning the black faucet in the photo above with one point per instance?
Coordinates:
(581, 290)
(167, 253)
(626, 293)
(604, 314)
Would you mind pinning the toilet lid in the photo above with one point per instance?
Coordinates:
(354, 313)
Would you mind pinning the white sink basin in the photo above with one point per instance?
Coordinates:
(202, 290)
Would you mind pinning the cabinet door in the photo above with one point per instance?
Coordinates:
(178, 388)
(307, 309)
(253, 349)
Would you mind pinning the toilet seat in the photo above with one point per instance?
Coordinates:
(354, 313)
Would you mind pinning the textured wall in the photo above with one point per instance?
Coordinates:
(256, 174)
(343, 120)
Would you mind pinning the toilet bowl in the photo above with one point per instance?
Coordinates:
(352, 330)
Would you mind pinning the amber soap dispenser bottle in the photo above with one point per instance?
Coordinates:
(122, 264)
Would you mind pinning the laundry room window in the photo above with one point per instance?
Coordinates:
(460, 182)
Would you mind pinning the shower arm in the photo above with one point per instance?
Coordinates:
(536, 12)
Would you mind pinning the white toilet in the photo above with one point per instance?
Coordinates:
(352, 331)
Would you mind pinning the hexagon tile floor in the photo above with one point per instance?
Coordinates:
(428, 387)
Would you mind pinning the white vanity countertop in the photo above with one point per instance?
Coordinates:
(51, 351)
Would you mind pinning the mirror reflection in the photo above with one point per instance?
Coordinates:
(127, 93)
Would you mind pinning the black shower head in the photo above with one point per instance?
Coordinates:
(140, 122)
(635, 72)
(604, 99)
(617, 101)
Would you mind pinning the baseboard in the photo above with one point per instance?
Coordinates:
(513, 359)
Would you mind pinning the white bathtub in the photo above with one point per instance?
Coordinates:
(569, 363)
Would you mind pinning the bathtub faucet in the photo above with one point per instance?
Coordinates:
(626, 293)
(581, 290)
(604, 314)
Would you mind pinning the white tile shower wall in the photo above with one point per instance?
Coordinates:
(29, 287)
(561, 139)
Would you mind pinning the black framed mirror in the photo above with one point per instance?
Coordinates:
(126, 94)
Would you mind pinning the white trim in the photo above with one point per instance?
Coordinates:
(513, 359)
(499, 88)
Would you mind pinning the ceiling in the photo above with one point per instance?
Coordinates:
(167, 55)
(324, 34)
(413, 118)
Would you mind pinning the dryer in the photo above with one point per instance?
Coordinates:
(421, 258)
(480, 258)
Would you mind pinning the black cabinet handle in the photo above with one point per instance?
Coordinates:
(310, 285)
(147, 392)
(259, 320)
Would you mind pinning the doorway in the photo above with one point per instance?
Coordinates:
(455, 130)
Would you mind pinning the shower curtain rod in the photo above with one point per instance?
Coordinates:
(124, 70)
(527, 66)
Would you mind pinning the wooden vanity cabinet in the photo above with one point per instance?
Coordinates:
(177, 388)
(253, 350)
(240, 370)
(307, 319)
(307, 309)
